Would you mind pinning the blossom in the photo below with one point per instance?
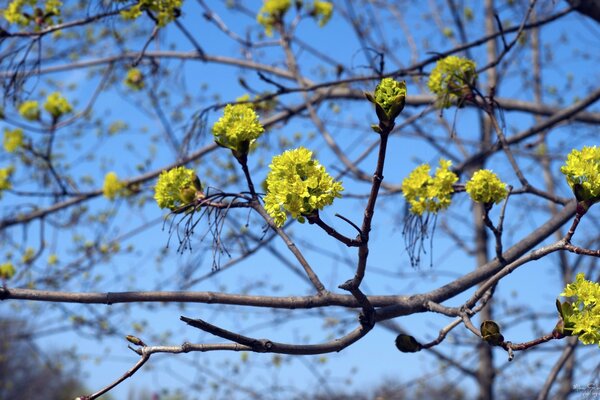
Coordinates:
(425, 193)
(14, 13)
(164, 11)
(13, 139)
(7, 270)
(57, 105)
(298, 185)
(271, 13)
(176, 187)
(389, 98)
(30, 110)
(135, 79)
(322, 12)
(238, 128)
(485, 187)
(582, 170)
(112, 186)
(451, 78)
(5, 175)
(581, 317)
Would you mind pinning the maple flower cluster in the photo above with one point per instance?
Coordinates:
(298, 185)
(112, 186)
(13, 139)
(389, 98)
(322, 12)
(57, 105)
(581, 317)
(5, 175)
(176, 187)
(135, 79)
(427, 193)
(451, 78)
(238, 128)
(485, 187)
(582, 170)
(164, 11)
(30, 110)
(271, 13)
(14, 13)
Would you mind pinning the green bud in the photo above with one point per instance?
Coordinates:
(408, 344)
(490, 332)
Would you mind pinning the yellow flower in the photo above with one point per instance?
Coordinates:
(5, 175)
(30, 110)
(297, 184)
(452, 79)
(581, 316)
(135, 79)
(177, 187)
(486, 187)
(271, 13)
(7, 270)
(322, 12)
(12, 139)
(238, 128)
(112, 186)
(582, 170)
(425, 193)
(57, 105)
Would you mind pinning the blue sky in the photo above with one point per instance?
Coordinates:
(390, 272)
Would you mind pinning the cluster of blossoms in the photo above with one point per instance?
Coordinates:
(164, 11)
(5, 175)
(485, 187)
(389, 99)
(271, 13)
(581, 317)
(451, 79)
(177, 187)
(427, 193)
(7, 270)
(13, 139)
(322, 12)
(56, 105)
(14, 13)
(582, 171)
(112, 186)
(135, 79)
(30, 110)
(297, 184)
(238, 128)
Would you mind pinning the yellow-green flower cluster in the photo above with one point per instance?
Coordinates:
(390, 96)
(14, 13)
(57, 105)
(135, 79)
(582, 171)
(238, 128)
(430, 194)
(322, 12)
(297, 184)
(30, 110)
(13, 139)
(582, 317)
(485, 187)
(7, 270)
(112, 186)
(5, 175)
(164, 11)
(176, 187)
(451, 78)
(271, 13)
